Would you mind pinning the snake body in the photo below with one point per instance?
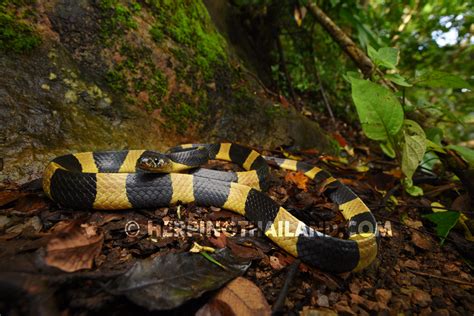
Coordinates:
(110, 180)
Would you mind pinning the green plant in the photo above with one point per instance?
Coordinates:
(383, 117)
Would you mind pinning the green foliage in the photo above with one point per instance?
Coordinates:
(466, 153)
(380, 113)
(413, 147)
(444, 222)
(385, 57)
(15, 34)
(440, 79)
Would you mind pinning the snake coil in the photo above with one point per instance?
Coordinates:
(111, 180)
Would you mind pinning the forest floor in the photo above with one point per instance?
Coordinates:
(412, 273)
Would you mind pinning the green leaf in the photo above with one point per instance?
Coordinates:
(380, 113)
(398, 79)
(435, 134)
(434, 146)
(388, 149)
(352, 74)
(440, 79)
(411, 189)
(444, 222)
(413, 148)
(373, 54)
(386, 56)
(466, 153)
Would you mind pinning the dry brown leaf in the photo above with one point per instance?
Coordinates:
(7, 197)
(220, 241)
(247, 252)
(239, 297)
(30, 204)
(421, 241)
(297, 178)
(73, 247)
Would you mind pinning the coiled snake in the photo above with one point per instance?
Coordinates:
(115, 180)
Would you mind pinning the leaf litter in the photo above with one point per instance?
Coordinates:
(412, 273)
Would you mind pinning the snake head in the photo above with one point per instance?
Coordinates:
(154, 162)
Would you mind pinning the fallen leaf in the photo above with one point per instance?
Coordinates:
(411, 264)
(421, 241)
(30, 204)
(238, 297)
(311, 311)
(73, 247)
(220, 241)
(297, 178)
(383, 296)
(412, 223)
(420, 298)
(341, 140)
(245, 252)
(165, 282)
(6, 197)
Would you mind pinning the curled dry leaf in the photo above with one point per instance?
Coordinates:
(73, 247)
(299, 179)
(238, 297)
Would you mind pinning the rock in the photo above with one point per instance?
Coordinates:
(420, 297)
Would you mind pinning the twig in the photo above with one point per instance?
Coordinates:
(441, 278)
(293, 268)
(323, 93)
(267, 90)
(345, 42)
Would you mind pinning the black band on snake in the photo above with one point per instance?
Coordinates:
(114, 180)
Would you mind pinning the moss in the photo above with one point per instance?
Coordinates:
(159, 84)
(15, 35)
(116, 80)
(156, 33)
(180, 115)
(188, 24)
(117, 17)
